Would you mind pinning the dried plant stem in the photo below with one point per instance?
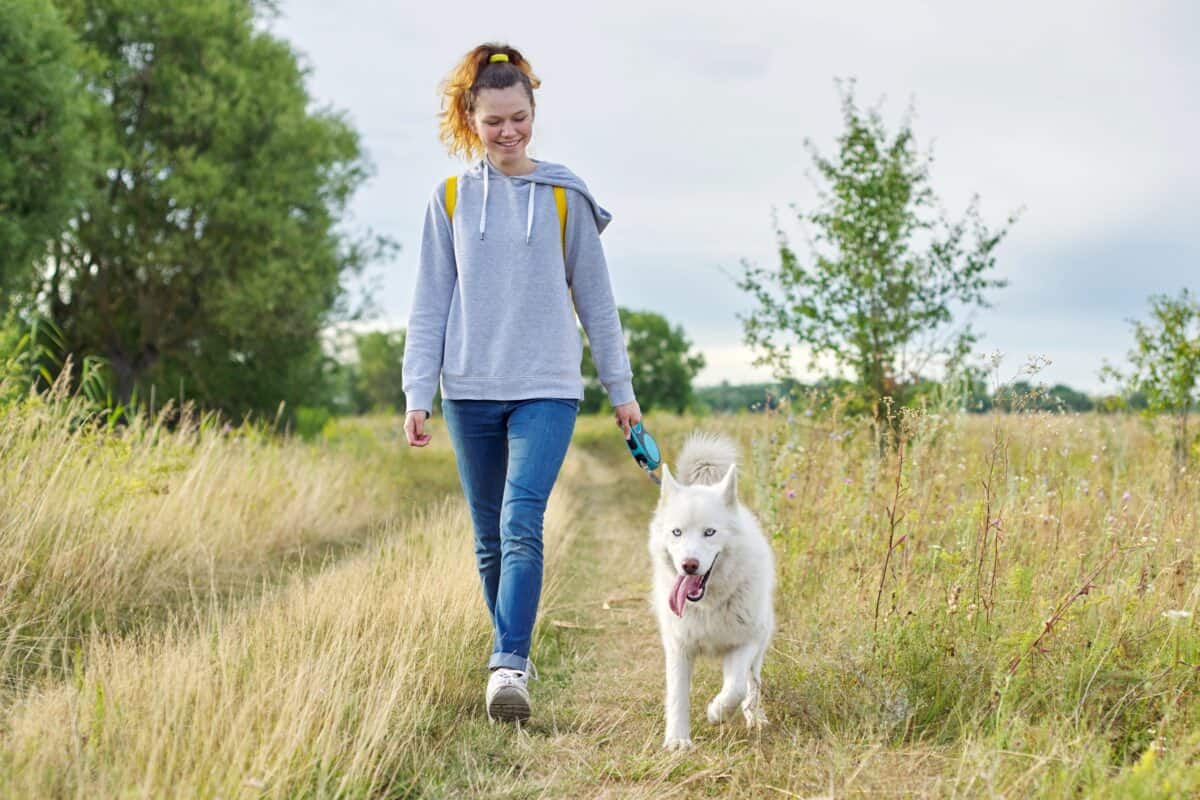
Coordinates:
(1061, 609)
(893, 520)
(991, 524)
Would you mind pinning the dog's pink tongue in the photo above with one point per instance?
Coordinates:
(684, 585)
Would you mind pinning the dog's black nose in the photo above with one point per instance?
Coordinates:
(690, 566)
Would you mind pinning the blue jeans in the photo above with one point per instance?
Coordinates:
(509, 453)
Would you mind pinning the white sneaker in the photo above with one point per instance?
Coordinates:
(508, 695)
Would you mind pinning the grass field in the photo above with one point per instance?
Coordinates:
(1001, 606)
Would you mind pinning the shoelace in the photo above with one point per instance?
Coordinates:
(509, 676)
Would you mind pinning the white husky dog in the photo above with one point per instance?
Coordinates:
(714, 580)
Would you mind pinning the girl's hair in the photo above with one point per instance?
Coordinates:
(460, 89)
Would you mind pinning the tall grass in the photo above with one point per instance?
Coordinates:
(1018, 589)
(345, 684)
(106, 531)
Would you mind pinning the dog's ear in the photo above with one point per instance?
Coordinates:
(669, 486)
(728, 486)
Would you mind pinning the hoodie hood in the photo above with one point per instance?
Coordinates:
(544, 173)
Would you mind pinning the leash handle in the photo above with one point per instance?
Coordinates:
(645, 450)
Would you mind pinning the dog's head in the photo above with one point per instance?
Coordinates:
(693, 535)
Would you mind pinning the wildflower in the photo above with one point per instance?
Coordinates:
(791, 493)
(1125, 497)
(1095, 458)
(847, 481)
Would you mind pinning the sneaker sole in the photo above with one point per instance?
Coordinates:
(508, 705)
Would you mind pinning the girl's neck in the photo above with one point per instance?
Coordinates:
(522, 165)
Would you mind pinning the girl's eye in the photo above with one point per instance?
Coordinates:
(677, 532)
(710, 531)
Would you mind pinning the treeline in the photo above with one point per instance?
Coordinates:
(1020, 396)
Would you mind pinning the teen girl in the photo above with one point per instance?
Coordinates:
(509, 254)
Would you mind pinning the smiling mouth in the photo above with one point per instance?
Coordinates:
(689, 588)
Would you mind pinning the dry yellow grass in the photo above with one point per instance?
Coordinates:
(107, 532)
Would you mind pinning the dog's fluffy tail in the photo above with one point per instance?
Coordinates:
(705, 458)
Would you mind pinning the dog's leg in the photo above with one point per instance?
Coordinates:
(752, 708)
(733, 690)
(679, 679)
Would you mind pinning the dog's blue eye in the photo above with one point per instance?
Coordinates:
(676, 532)
(710, 531)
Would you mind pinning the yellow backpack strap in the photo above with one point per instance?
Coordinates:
(560, 200)
(451, 195)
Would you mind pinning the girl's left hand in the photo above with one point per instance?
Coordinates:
(628, 415)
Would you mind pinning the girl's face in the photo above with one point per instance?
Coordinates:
(504, 121)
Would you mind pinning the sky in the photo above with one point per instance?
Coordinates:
(688, 123)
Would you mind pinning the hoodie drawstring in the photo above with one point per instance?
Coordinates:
(528, 211)
(483, 215)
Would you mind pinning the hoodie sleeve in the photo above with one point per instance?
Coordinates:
(437, 275)
(591, 291)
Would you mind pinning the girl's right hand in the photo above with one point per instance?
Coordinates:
(414, 428)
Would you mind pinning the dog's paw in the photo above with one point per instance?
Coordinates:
(719, 712)
(676, 744)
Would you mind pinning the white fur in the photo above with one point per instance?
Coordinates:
(735, 618)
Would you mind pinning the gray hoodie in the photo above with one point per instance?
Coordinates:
(494, 308)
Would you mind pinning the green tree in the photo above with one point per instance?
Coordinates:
(886, 267)
(1165, 363)
(208, 255)
(663, 368)
(378, 374)
(41, 136)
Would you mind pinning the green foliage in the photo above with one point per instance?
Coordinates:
(885, 271)
(378, 376)
(1024, 396)
(311, 421)
(208, 255)
(41, 105)
(1165, 362)
(663, 368)
(30, 355)
(729, 397)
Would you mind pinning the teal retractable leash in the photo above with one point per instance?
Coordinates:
(645, 450)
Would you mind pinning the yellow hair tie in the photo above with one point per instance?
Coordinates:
(497, 57)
